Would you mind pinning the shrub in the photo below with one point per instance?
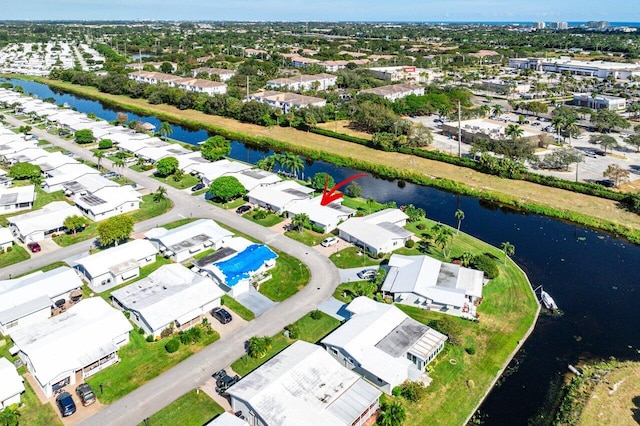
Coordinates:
(318, 229)
(421, 226)
(150, 338)
(413, 391)
(193, 335)
(470, 350)
(105, 144)
(316, 314)
(140, 331)
(172, 345)
(487, 265)
(410, 243)
(9, 249)
(127, 314)
(294, 331)
(260, 214)
(259, 346)
(397, 391)
(166, 332)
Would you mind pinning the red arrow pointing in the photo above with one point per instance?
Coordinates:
(330, 196)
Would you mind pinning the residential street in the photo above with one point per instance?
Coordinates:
(195, 370)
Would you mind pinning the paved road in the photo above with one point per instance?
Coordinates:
(195, 370)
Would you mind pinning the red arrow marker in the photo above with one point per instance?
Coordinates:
(331, 196)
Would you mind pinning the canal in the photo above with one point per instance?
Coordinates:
(592, 276)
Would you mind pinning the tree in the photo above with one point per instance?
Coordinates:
(300, 221)
(606, 120)
(10, 416)
(292, 162)
(442, 236)
(167, 166)
(616, 174)
(561, 158)
(415, 213)
(115, 229)
(178, 175)
(84, 136)
(605, 141)
(508, 249)
(105, 144)
(23, 171)
(122, 118)
(74, 223)
(160, 194)
(514, 131)
(165, 130)
(497, 109)
(557, 122)
(353, 190)
(216, 148)
(459, 214)
(98, 155)
(226, 188)
(267, 163)
(166, 67)
(319, 180)
(391, 414)
(419, 135)
(635, 141)
(257, 347)
(118, 163)
(371, 202)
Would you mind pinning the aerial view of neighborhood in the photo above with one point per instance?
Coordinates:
(291, 214)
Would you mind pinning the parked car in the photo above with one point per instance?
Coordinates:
(65, 404)
(197, 187)
(367, 274)
(327, 242)
(85, 394)
(225, 382)
(606, 182)
(221, 315)
(243, 209)
(34, 247)
(219, 374)
(110, 175)
(602, 153)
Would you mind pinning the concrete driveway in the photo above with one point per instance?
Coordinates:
(349, 275)
(256, 302)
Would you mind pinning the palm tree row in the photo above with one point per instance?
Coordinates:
(285, 161)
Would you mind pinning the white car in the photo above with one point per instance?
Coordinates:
(327, 242)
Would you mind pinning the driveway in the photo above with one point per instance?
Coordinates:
(349, 275)
(256, 302)
(335, 308)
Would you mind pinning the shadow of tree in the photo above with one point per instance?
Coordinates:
(636, 409)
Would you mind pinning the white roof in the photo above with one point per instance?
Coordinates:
(5, 235)
(54, 160)
(68, 172)
(73, 339)
(17, 296)
(105, 261)
(127, 143)
(190, 159)
(16, 195)
(227, 419)
(378, 228)
(430, 278)
(378, 336)
(10, 381)
(251, 178)
(182, 237)
(324, 215)
(108, 198)
(89, 183)
(28, 155)
(219, 168)
(304, 385)
(167, 294)
(280, 194)
(49, 217)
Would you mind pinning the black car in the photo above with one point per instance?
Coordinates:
(197, 187)
(86, 395)
(219, 374)
(221, 315)
(606, 182)
(243, 209)
(225, 383)
(65, 403)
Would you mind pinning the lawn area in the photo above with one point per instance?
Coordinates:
(204, 253)
(289, 276)
(46, 268)
(307, 236)
(270, 220)
(179, 222)
(346, 292)
(362, 205)
(17, 254)
(231, 303)
(141, 361)
(350, 258)
(44, 198)
(310, 331)
(33, 412)
(187, 181)
(91, 231)
(191, 409)
(233, 204)
(149, 208)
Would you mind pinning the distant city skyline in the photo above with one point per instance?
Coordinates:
(323, 10)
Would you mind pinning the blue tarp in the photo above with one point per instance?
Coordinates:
(245, 263)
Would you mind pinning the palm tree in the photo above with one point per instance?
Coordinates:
(99, 155)
(165, 130)
(391, 414)
(570, 126)
(514, 131)
(267, 163)
(10, 415)
(300, 221)
(160, 194)
(294, 163)
(459, 214)
(118, 163)
(466, 258)
(558, 123)
(443, 237)
(370, 203)
(508, 249)
(498, 109)
(485, 109)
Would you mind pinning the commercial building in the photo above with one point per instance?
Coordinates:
(11, 384)
(303, 385)
(38, 224)
(286, 100)
(83, 340)
(613, 103)
(383, 345)
(484, 129)
(565, 64)
(395, 91)
(559, 25)
(172, 296)
(196, 85)
(223, 74)
(405, 74)
(304, 82)
(428, 283)
(380, 232)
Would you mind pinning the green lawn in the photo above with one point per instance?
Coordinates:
(350, 258)
(204, 253)
(233, 204)
(91, 231)
(267, 222)
(187, 181)
(310, 330)
(348, 291)
(179, 222)
(138, 168)
(33, 412)
(121, 180)
(361, 205)
(288, 277)
(231, 303)
(17, 254)
(46, 268)
(200, 192)
(194, 408)
(307, 236)
(141, 361)
(149, 208)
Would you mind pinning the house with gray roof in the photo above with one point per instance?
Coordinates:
(380, 232)
(428, 283)
(382, 344)
(38, 224)
(11, 384)
(16, 198)
(304, 385)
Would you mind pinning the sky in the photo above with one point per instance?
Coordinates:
(323, 10)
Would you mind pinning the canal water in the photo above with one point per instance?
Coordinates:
(593, 277)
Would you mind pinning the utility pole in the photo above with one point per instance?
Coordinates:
(459, 130)
(247, 86)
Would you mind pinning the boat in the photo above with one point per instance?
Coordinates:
(548, 301)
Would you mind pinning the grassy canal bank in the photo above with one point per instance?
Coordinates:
(587, 210)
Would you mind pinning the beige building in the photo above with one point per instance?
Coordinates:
(474, 130)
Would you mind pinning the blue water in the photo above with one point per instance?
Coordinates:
(593, 276)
